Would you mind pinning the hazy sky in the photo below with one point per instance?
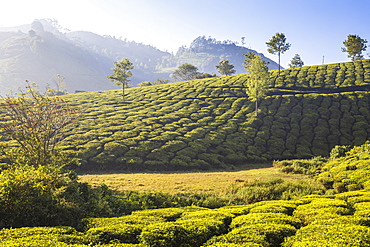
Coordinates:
(315, 28)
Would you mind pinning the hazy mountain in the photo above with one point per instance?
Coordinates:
(38, 51)
(205, 53)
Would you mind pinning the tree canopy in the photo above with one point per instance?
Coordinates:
(185, 72)
(277, 45)
(258, 80)
(121, 74)
(224, 68)
(354, 46)
(36, 122)
(296, 61)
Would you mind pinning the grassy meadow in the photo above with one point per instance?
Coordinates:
(216, 182)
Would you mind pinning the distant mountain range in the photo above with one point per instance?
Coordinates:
(38, 51)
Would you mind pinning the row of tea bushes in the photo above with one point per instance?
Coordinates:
(325, 76)
(210, 123)
(348, 173)
(334, 220)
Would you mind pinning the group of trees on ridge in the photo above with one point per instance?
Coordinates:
(258, 80)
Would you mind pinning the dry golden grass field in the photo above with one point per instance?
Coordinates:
(217, 182)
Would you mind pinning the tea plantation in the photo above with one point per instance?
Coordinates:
(210, 123)
(338, 220)
(334, 219)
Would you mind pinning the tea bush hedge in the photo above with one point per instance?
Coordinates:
(210, 123)
(315, 220)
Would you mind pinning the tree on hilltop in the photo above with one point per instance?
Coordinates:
(224, 68)
(258, 79)
(277, 44)
(121, 74)
(354, 46)
(185, 72)
(296, 61)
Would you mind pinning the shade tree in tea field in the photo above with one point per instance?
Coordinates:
(354, 45)
(278, 45)
(225, 68)
(258, 80)
(121, 74)
(296, 61)
(185, 72)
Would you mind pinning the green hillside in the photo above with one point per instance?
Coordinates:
(210, 123)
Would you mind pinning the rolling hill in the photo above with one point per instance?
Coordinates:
(210, 123)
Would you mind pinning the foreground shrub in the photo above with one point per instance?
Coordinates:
(41, 236)
(330, 235)
(31, 196)
(348, 173)
(301, 166)
(116, 221)
(123, 233)
(273, 189)
(265, 218)
(166, 234)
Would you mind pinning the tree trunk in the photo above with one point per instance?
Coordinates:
(256, 108)
(279, 64)
(123, 92)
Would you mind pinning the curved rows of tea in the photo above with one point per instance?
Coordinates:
(340, 220)
(210, 123)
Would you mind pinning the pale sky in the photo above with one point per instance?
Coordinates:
(314, 28)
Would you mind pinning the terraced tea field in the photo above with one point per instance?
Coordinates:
(210, 123)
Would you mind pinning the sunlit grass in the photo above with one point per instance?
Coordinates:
(187, 182)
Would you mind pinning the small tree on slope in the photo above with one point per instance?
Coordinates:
(121, 74)
(258, 80)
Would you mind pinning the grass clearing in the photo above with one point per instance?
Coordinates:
(216, 182)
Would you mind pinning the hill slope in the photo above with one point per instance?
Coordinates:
(38, 51)
(209, 123)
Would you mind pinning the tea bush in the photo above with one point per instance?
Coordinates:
(210, 123)
(330, 235)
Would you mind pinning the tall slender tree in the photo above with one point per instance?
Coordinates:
(225, 68)
(278, 45)
(354, 46)
(121, 74)
(258, 80)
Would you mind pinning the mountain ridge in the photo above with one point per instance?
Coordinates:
(38, 51)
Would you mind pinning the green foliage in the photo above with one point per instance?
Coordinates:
(307, 166)
(330, 235)
(36, 122)
(257, 82)
(277, 44)
(354, 46)
(296, 61)
(272, 189)
(121, 74)
(315, 220)
(209, 123)
(349, 172)
(185, 72)
(224, 68)
(31, 196)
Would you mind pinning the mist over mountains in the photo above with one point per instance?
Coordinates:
(38, 51)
